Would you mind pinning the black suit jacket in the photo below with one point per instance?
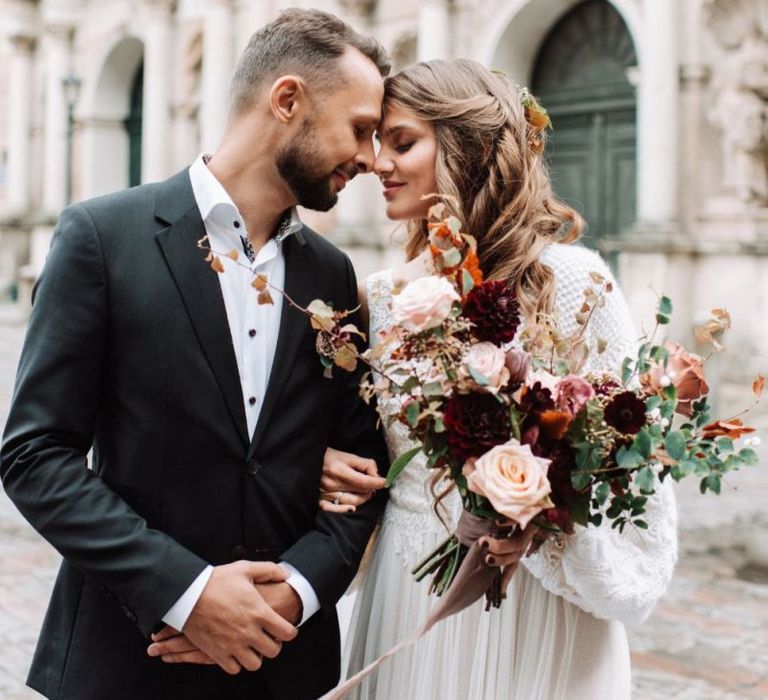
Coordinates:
(128, 351)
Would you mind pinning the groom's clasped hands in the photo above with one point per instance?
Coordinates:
(245, 613)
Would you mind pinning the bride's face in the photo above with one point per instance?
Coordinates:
(405, 164)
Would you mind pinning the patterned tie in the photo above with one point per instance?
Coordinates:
(248, 249)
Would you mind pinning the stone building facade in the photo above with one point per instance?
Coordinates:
(660, 110)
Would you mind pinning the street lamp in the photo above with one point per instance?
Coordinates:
(71, 86)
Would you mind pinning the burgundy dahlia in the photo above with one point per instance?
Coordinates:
(536, 399)
(626, 413)
(493, 310)
(474, 424)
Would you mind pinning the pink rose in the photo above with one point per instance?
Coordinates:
(513, 479)
(685, 370)
(518, 364)
(424, 303)
(573, 393)
(489, 361)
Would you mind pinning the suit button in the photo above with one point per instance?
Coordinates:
(239, 552)
(254, 467)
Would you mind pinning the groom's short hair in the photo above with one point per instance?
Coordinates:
(305, 42)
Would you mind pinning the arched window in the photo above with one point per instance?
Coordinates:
(580, 75)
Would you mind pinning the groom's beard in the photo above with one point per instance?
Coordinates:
(298, 162)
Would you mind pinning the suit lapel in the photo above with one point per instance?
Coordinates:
(201, 292)
(299, 285)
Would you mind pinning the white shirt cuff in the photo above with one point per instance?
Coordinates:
(304, 590)
(177, 616)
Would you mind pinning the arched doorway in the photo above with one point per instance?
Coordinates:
(581, 76)
(111, 119)
(133, 127)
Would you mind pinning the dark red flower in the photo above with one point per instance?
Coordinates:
(474, 424)
(536, 399)
(493, 310)
(605, 386)
(625, 413)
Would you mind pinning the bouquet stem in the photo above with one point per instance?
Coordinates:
(443, 562)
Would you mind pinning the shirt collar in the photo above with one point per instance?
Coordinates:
(217, 207)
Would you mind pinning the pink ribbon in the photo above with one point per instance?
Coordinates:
(472, 580)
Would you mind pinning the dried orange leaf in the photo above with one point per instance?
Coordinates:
(232, 254)
(216, 264)
(346, 357)
(758, 385)
(260, 282)
(733, 428)
(265, 297)
(596, 277)
(317, 307)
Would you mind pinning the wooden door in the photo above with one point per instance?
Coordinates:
(580, 76)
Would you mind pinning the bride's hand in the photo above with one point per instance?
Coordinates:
(348, 481)
(507, 552)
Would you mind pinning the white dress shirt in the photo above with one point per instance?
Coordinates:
(254, 329)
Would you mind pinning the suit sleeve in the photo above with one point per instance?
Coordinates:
(330, 555)
(51, 426)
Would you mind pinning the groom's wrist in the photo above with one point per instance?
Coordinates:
(306, 595)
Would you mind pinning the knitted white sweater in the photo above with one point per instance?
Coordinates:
(611, 575)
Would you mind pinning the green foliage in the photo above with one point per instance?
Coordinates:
(399, 464)
(674, 443)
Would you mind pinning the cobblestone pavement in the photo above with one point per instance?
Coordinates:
(707, 639)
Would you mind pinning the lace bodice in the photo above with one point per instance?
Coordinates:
(611, 575)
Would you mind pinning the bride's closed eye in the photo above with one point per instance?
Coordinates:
(404, 147)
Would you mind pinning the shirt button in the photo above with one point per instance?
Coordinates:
(236, 224)
(252, 332)
(252, 400)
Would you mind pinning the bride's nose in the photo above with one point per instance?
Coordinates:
(383, 166)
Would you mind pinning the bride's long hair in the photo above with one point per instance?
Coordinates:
(490, 163)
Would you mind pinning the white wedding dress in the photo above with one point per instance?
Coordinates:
(560, 632)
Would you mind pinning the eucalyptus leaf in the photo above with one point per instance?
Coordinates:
(643, 444)
(675, 444)
(645, 479)
(399, 464)
(412, 414)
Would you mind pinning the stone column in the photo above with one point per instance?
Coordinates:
(658, 109)
(156, 134)
(218, 63)
(56, 50)
(19, 123)
(434, 30)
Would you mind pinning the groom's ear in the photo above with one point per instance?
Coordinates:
(288, 98)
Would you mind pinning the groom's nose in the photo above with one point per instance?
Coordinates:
(364, 158)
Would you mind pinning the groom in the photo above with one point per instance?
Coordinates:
(208, 414)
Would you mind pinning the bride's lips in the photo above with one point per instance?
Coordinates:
(390, 187)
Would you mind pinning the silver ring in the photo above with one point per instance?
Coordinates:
(337, 500)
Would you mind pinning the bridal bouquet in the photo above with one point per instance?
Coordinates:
(506, 414)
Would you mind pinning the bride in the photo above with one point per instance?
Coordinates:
(455, 128)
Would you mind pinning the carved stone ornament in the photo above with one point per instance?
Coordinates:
(740, 95)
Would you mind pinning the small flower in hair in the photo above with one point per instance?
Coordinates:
(537, 119)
